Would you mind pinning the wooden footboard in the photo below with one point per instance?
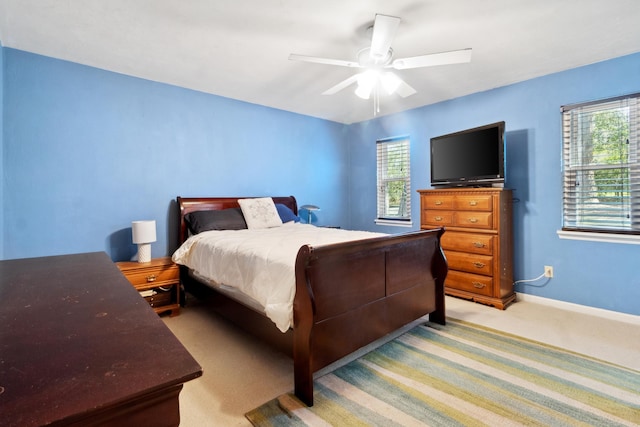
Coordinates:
(351, 294)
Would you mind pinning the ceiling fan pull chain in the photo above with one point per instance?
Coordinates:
(373, 98)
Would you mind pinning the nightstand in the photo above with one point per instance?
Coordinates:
(158, 282)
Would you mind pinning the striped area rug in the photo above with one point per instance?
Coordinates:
(464, 375)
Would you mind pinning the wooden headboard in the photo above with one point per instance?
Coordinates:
(192, 204)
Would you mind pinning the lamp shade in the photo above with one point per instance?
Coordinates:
(143, 231)
(310, 208)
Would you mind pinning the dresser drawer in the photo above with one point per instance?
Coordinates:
(480, 202)
(437, 201)
(471, 263)
(474, 283)
(468, 242)
(438, 218)
(153, 276)
(473, 220)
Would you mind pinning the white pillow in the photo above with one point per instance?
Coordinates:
(260, 213)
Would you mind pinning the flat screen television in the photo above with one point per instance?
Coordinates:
(472, 157)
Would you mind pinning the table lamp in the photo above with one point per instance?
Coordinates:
(144, 233)
(309, 209)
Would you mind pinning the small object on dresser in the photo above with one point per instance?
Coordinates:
(147, 293)
(157, 281)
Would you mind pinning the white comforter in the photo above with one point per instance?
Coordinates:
(260, 263)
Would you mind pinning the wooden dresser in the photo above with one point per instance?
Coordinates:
(478, 241)
(81, 348)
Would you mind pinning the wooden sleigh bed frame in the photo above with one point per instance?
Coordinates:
(347, 295)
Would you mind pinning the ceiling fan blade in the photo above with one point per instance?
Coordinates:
(343, 84)
(404, 89)
(384, 30)
(317, 60)
(391, 83)
(431, 60)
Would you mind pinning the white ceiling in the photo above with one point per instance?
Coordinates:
(239, 49)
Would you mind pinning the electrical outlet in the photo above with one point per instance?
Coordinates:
(548, 271)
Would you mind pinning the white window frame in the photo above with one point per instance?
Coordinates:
(620, 219)
(384, 215)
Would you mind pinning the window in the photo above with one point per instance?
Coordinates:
(601, 168)
(394, 181)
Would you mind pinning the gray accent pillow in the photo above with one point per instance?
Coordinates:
(226, 219)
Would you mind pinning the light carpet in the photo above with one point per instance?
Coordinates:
(463, 374)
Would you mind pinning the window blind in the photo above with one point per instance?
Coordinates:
(393, 179)
(601, 168)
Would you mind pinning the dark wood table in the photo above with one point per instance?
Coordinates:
(79, 346)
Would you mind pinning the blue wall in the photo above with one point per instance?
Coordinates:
(87, 151)
(596, 274)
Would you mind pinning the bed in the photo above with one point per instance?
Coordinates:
(346, 295)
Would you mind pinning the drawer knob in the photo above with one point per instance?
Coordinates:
(438, 202)
(473, 203)
(478, 285)
(479, 264)
(151, 278)
(478, 244)
(438, 218)
(473, 220)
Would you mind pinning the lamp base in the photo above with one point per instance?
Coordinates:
(144, 252)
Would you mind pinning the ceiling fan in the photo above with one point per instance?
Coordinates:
(378, 58)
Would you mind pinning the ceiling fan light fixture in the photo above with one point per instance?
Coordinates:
(363, 92)
(390, 82)
(366, 83)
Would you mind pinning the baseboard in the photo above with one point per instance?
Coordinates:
(584, 309)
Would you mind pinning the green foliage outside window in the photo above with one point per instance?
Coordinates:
(610, 146)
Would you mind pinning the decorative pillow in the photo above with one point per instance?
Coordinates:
(226, 219)
(286, 214)
(260, 213)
